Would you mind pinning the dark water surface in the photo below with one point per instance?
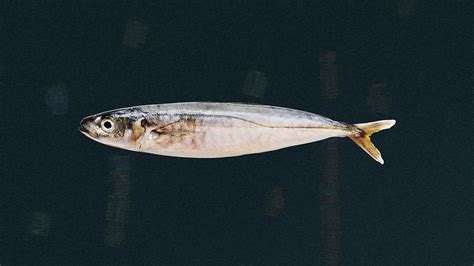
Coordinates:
(68, 200)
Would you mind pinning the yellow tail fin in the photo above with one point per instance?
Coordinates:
(365, 130)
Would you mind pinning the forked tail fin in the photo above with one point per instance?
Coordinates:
(362, 136)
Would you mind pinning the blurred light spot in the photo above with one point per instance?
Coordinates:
(274, 202)
(330, 205)
(57, 98)
(2, 69)
(328, 74)
(377, 100)
(120, 164)
(330, 163)
(3, 225)
(406, 9)
(118, 201)
(40, 224)
(357, 3)
(2, 83)
(135, 34)
(255, 84)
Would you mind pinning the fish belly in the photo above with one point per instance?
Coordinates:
(226, 143)
(234, 137)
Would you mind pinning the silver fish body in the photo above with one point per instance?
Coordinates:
(213, 130)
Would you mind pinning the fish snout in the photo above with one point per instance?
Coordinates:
(86, 126)
(82, 128)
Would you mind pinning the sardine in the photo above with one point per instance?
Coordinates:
(215, 130)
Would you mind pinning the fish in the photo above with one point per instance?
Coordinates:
(220, 129)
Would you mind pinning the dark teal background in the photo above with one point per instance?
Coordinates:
(415, 209)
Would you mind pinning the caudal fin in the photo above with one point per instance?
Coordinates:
(362, 136)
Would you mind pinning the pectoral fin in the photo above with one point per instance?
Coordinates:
(174, 131)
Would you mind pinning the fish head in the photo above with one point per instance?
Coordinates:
(107, 128)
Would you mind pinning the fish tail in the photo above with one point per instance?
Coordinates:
(361, 137)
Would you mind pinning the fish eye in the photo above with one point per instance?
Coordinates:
(107, 125)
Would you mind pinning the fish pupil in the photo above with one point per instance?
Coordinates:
(107, 125)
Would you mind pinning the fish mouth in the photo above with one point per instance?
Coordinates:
(82, 128)
(85, 129)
